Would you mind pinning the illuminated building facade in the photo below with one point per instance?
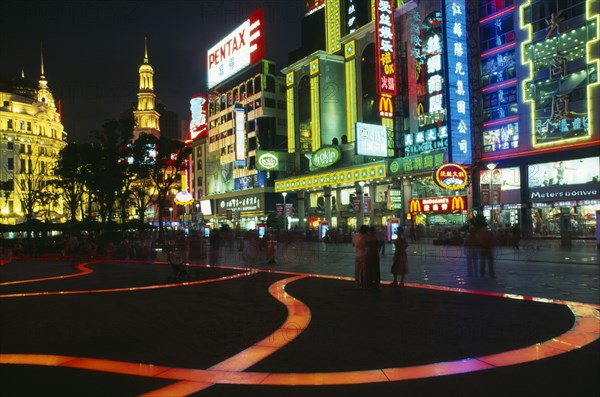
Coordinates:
(405, 102)
(246, 120)
(31, 136)
(539, 66)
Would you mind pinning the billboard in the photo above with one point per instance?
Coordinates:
(457, 72)
(385, 47)
(198, 123)
(239, 49)
(438, 204)
(371, 140)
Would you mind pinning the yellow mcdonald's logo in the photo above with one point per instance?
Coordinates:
(458, 203)
(386, 106)
(414, 206)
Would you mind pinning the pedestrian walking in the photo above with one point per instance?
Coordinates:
(471, 251)
(486, 249)
(372, 272)
(516, 236)
(360, 255)
(400, 261)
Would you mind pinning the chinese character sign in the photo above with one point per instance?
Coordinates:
(385, 47)
(459, 108)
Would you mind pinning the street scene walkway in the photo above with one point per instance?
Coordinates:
(244, 322)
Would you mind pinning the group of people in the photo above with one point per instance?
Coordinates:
(367, 248)
(479, 251)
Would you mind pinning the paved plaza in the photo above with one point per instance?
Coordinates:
(237, 325)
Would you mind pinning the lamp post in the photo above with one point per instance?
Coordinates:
(491, 167)
(284, 194)
(171, 216)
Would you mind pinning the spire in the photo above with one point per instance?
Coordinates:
(145, 50)
(22, 73)
(42, 59)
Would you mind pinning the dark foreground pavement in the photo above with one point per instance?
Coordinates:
(131, 312)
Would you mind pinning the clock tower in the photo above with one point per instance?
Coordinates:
(145, 115)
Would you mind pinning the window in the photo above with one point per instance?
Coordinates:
(10, 165)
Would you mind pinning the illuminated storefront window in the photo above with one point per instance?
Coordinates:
(501, 137)
(565, 191)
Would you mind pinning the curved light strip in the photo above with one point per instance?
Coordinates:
(146, 287)
(81, 267)
(297, 320)
(585, 330)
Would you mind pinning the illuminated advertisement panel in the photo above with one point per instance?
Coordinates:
(384, 47)
(506, 185)
(564, 74)
(428, 46)
(438, 204)
(240, 136)
(198, 123)
(565, 180)
(457, 72)
(311, 6)
(239, 49)
(371, 140)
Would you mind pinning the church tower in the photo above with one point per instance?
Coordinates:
(145, 115)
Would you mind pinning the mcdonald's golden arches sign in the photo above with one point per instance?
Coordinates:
(438, 204)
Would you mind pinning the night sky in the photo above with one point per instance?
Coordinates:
(92, 50)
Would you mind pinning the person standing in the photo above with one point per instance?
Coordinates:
(471, 253)
(360, 255)
(486, 246)
(400, 261)
(516, 236)
(372, 273)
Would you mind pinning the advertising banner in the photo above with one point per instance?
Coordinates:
(241, 48)
(371, 140)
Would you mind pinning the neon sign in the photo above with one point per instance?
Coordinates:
(385, 50)
(451, 176)
(239, 49)
(457, 71)
(198, 124)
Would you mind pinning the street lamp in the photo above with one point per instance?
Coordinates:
(171, 216)
(491, 167)
(284, 194)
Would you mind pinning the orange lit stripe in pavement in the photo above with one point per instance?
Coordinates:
(81, 267)
(127, 289)
(297, 320)
(585, 330)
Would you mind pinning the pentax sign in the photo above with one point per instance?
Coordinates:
(241, 48)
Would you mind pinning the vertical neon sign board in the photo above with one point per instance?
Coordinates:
(240, 136)
(457, 72)
(385, 48)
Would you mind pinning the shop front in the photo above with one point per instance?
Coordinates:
(241, 211)
(564, 197)
(500, 190)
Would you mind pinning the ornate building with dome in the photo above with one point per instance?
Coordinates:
(31, 136)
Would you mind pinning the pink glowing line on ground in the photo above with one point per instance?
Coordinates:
(586, 329)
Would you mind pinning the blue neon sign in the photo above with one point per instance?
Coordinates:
(457, 72)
